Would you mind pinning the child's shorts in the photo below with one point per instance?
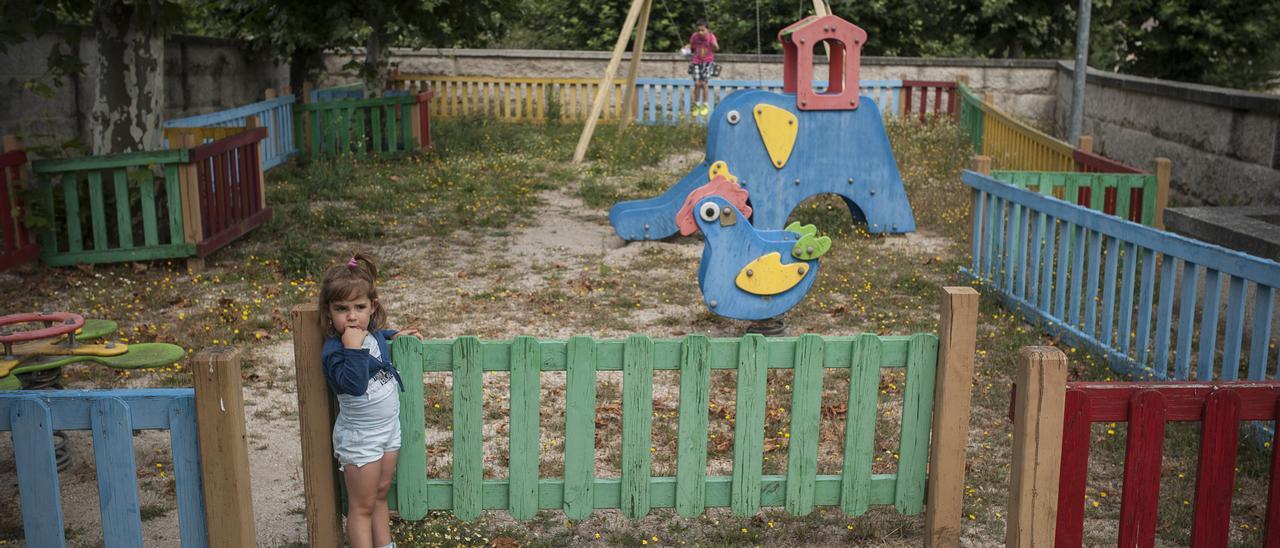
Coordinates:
(361, 446)
(702, 72)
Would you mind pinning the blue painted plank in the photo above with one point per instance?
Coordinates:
(1125, 328)
(1064, 259)
(1146, 299)
(1047, 265)
(1035, 267)
(73, 409)
(988, 234)
(1164, 315)
(1013, 256)
(975, 211)
(117, 479)
(1207, 350)
(1090, 301)
(1025, 244)
(1077, 275)
(998, 237)
(1263, 302)
(237, 114)
(184, 437)
(1109, 289)
(1186, 320)
(37, 473)
(1234, 335)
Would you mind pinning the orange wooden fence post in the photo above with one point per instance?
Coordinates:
(224, 451)
(1086, 143)
(1041, 385)
(982, 164)
(1164, 171)
(251, 123)
(951, 399)
(319, 470)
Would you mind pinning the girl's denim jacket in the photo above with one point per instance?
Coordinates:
(348, 370)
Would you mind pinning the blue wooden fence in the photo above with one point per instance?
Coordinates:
(668, 100)
(112, 415)
(348, 91)
(274, 114)
(1118, 288)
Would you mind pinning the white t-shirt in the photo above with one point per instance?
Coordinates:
(380, 401)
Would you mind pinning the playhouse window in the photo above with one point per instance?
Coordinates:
(834, 83)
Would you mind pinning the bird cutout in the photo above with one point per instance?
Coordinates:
(722, 184)
(720, 168)
(809, 244)
(778, 129)
(747, 274)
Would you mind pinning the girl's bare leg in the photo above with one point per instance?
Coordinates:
(382, 515)
(362, 487)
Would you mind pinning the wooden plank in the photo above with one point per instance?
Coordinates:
(748, 429)
(1164, 316)
(1215, 471)
(990, 213)
(1075, 301)
(315, 411)
(1109, 280)
(184, 440)
(1090, 301)
(526, 382)
(637, 52)
(1234, 335)
(1074, 471)
(1186, 320)
(127, 160)
(37, 470)
(97, 211)
(71, 200)
(224, 449)
(860, 425)
(951, 409)
(1124, 329)
(917, 416)
(173, 199)
(1064, 260)
(411, 463)
(124, 218)
(1263, 300)
(150, 228)
(117, 480)
(468, 434)
(376, 129)
(637, 426)
(580, 429)
(1164, 171)
(691, 459)
(1049, 245)
(1271, 527)
(597, 105)
(1209, 325)
(1142, 464)
(1037, 426)
(975, 235)
(806, 404)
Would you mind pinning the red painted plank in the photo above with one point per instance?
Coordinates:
(255, 182)
(204, 178)
(1109, 200)
(1216, 475)
(8, 224)
(1089, 162)
(1075, 470)
(242, 184)
(1084, 196)
(1143, 454)
(1271, 533)
(221, 146)
(1136, 195)
(1184, 400)
(219, 193)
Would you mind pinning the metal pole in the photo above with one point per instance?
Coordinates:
(1082, 69)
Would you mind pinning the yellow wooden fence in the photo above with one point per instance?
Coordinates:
(1013, 145)
(511, 99)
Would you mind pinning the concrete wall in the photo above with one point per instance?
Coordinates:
(1224, 144)
(201, 75)
(1024, 87)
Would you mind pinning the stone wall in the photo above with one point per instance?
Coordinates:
(1224, 143)
(201, 75)
(1026, 88)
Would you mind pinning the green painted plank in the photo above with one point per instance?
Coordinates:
(376, 128)
(637, 426)
(580, 429)
(124, 217)
(806, 402)
(343, 127)
(116, 255)
(48, 236)
(299, 127)
(917, 419)
(1149, 200)
(691, 447)
(1098, 193)
(608, 492)
(860, 425)
(71, 200)
(468, 434)
(406, 125)
(1122, 184)
(174, 196)
(667, 354)
(411, 468)
(325, 106)
(748, 430)
(525, 435)
(132, 159)
(150, 234)
(391, 129)
(317, 133)
(97, 211)
(360, 132)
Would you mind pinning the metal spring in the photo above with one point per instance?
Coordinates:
(772, 327)
(50, 379)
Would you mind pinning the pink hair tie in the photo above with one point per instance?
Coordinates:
(352, 263)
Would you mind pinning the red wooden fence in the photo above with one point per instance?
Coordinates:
(1221, 406)
(17, 245)
(929, 97)
(229, 181)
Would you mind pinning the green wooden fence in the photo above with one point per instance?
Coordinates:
(1131, 197)
(362, 126)
(124, 207)
(971, 116)
(579, 491)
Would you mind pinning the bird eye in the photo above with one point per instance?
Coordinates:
(733, 117)
(709, 212)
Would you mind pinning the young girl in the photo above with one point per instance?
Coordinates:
(357, 363)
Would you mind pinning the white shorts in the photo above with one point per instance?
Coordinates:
(361, 446)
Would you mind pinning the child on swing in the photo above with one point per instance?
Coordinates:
(357, 364)
(702, 61)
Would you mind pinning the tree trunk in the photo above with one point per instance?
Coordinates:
(376, 52)
(126, 79)
(304, 64)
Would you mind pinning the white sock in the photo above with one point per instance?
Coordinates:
(391, 544)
